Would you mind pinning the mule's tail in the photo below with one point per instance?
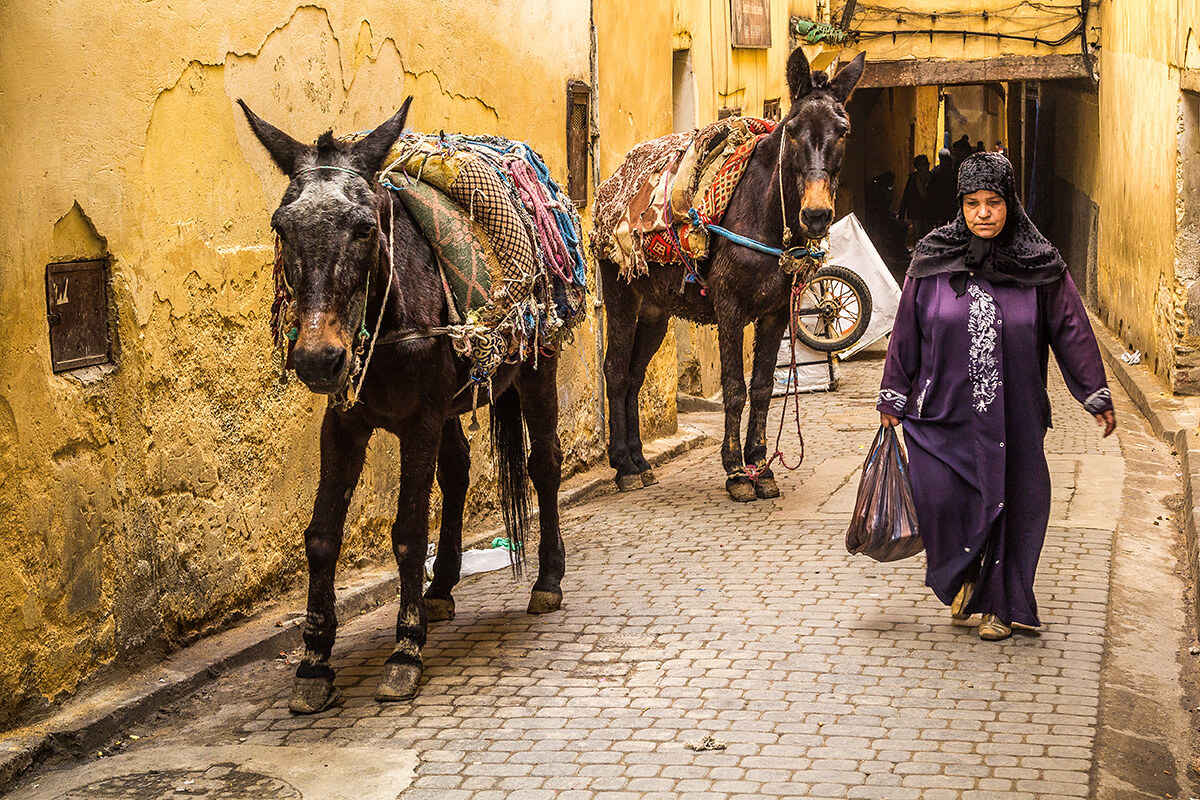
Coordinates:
(508, 447)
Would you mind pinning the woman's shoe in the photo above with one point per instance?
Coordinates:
(961, 599)
(993, 629)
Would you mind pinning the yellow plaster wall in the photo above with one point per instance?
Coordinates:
(148, 502)
(634, 67)
(1139, 96)
(728, 76)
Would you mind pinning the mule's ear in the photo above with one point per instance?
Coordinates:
(799, 74)
(369, 154)
(847, 78)
(285, 151)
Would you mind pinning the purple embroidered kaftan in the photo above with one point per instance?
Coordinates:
(966, 374)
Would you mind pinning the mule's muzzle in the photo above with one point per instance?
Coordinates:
(323, 368)
(816, 221)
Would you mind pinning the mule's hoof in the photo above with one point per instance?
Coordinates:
(311, 695)
(399, 682)
(648, 478)
(741, 489)
(766, 488)
(438, 609)
(627, 483)
(544, 602)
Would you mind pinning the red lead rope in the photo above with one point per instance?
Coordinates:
(753, 472)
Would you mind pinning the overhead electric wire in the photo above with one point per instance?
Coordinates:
(1076, 31)
(912, 12)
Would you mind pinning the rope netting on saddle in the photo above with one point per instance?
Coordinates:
(507, 238)
(643, 210)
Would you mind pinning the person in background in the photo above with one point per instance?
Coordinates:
(986, 299)
(979, 148)
(960, 150)
(943, 197)
(886, 231)
(1000, 148)
(914, 203)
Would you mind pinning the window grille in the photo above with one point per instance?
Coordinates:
(578, 137)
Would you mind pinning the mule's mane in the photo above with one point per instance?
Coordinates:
(328, 146)
(820, 87)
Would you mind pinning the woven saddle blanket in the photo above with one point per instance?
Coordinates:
(641, 211)
(507, 238)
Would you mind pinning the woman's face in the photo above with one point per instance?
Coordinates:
(985, 212)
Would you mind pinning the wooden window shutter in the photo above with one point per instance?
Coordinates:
(578, 138)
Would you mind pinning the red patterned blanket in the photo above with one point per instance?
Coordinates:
(642, 210)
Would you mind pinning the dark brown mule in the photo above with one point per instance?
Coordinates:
(744, 285)
(336, 224)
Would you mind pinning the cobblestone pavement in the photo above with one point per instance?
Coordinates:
(820, 674)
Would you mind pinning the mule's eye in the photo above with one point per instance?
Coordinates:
(362, 231)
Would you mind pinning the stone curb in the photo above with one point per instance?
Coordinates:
(86, 721)
(1176, 421)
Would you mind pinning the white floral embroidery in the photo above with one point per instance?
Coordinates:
(893, 398)
(1097, 400)
(982, 326)
(921, 397)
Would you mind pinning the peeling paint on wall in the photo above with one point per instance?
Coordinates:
(145, 504)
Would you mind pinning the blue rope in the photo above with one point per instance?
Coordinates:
(798, 252)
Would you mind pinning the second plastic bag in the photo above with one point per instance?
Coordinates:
(884, 525)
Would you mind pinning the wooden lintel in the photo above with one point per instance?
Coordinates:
(1189, 80)
(928, 71)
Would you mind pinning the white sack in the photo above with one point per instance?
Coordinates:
(850, 247)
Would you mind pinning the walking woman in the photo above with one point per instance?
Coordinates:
(986, 298)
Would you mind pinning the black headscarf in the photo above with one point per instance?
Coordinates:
(1019, 254)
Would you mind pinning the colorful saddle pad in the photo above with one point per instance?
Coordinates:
(507, 237)
(642, 210)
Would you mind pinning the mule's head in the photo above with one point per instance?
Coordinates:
(329, 229)
(814, 137)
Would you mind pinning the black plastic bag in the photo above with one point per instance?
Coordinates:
(884, 525)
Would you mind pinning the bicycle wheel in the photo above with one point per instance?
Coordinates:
(835, 310)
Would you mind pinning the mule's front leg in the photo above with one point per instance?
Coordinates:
(410, 537)
(343, 447)
(733, 390)
(453, 477)
(768, 333)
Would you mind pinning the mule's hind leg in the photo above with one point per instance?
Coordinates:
(419, 445)
(768, 333)
(651, 328)
(539, 401)
(453, 477)
(343, 447)
(621, 303)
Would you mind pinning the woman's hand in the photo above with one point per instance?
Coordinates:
(888, 421)
(1108, 419)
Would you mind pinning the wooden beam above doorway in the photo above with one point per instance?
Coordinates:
(926, 71)
(1189, 80)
